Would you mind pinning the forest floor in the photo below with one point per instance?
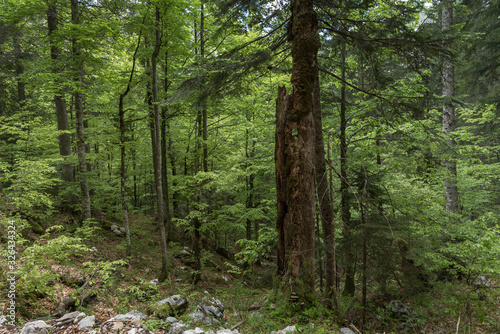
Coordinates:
(246, 297)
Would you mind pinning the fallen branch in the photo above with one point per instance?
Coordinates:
(238, 325)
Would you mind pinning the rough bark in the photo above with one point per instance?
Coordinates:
(78, 101)
(448, 73)
(295, 139)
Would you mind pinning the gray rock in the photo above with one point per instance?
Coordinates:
(482, 281)
(199, 317)
(209, 311)
(154, 281)
(197, 330)
(171, 320)
(127, 318)
(346, 331)
(68, 317)
(87, 322)
(138, 314)
(172, 306)
(227, 331)
(184, 252)
(289, 329)
(3, 320)
(255, 315)
(212, 307)
(79, 317)
(400, 310)
(176, 328)
(36, 327)
(118, 230)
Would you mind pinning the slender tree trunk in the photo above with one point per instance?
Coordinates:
(349, 257)
(171, 156)
(202, 134)
(295, 139)
(164, 170)
(19, 69)
(448, 73)
(204, 96)
(325, 202)
(249, 154)
(364, 211)
(59, 101)
(123, 193)
(80, 132)
(333, 241)
(319, 253)
(121, 115)
(134, 171)
(157, 158)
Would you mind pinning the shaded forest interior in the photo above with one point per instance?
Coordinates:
(326, 159)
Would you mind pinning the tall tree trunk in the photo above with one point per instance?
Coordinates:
(121, 115)
(59, 101)
(19, 68)
(204, 96)
(164, 170)
(157, 158)
(134, 171)
(295, 139)
(80, 132)
(325, 202)
(333, 240)
(249, 154)
(171, 156)
(450, 183)
(202, 136)
(123, 193)
(349, 257)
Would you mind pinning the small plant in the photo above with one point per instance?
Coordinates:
(101, 275)
(253, 250)
(153, 325)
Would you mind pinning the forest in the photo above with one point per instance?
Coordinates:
(314, 166)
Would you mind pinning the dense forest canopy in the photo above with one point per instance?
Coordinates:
(348, 150)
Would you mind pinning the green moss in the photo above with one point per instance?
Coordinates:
(164, 311)
(37, 228)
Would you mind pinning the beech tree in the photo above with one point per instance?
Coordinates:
(78, 76)
(59, 100)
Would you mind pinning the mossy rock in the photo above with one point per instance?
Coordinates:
(173, 306)
(37, 228)
(106, 224)
(71, 281)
